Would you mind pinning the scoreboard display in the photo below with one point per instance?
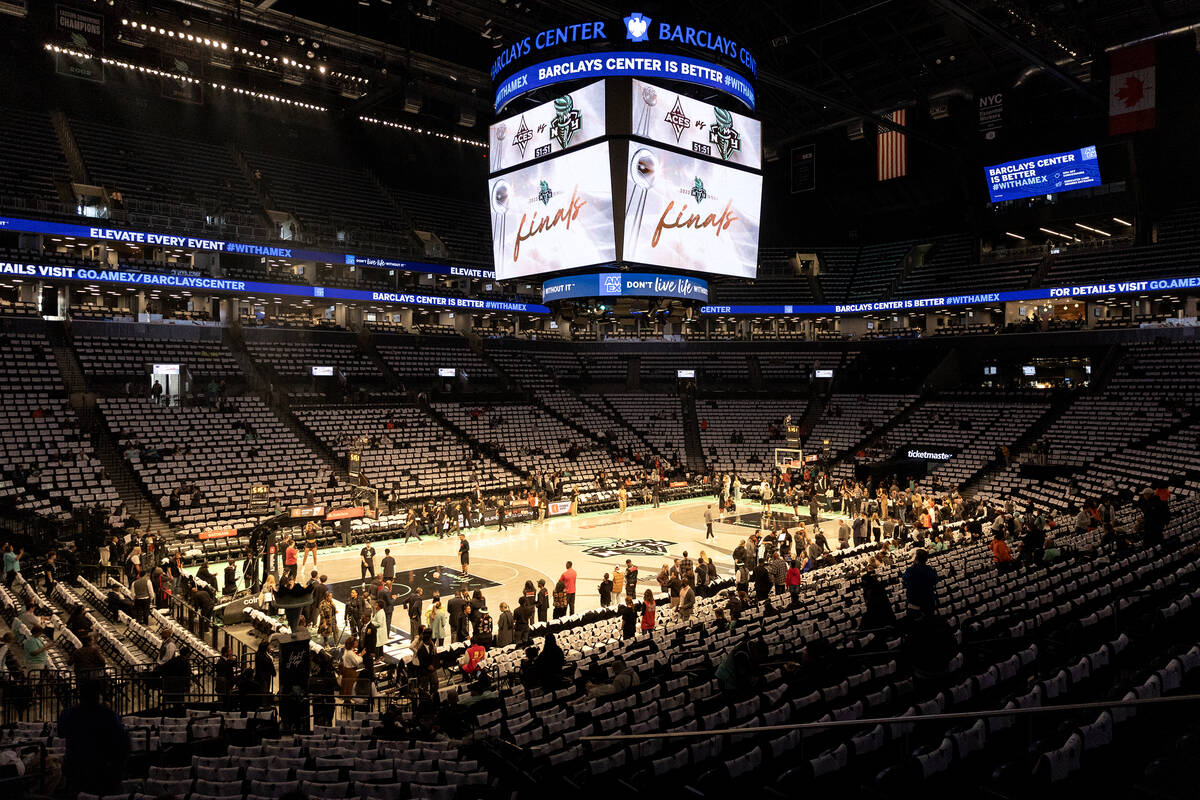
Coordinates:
(623, 172)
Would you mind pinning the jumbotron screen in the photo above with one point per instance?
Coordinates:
(690, 214)
(553, 215)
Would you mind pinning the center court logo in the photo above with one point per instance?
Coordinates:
(611, 547)
(637, 27)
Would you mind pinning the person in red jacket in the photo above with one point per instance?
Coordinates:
(289, 559)
(1001, 555)
(568, 579)
(648, 612)
(793, 582)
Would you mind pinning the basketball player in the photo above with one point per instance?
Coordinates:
(622, 499)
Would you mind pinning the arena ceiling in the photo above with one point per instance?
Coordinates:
(822, 62)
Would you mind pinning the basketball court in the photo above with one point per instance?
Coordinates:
(501, 561)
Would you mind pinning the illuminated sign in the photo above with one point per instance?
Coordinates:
(553, 215)
(625, 284)
(447, 372)
(926, 455)
(155, 280)
(164, 369)
(706, 130)
(823, 373)
(145, 239)
(1048, 174)
(691, 214)
(562, 123)
(631, 29)
(322, 372)
(1019, 295)
(660, 66)
(685, 373)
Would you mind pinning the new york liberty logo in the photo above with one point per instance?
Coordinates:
(722, 134)
(698, 191)
(567, 120)
(544, 193)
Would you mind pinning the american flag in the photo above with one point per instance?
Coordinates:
(891, 157)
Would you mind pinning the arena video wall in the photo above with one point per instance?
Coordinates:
(690, 214)
(666, 116)
(1047, 174)
(553, 215)
(566, 122)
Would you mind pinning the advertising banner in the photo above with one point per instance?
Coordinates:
(707, 130)
(625, 284)
(553, 215)
(686, 213)
(1048, 174)
(564, 122)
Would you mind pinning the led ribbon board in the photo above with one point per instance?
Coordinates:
(660, 66)
(927, 303)
(147, 239)
(586, 50)
(1048, 174)
(625, 284)
(153, 280)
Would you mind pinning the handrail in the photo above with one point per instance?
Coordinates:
(950, 716)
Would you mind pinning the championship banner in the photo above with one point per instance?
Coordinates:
(991, 114)
(553, 215)
(804, 168)
(712, 131)
(565, 122)
(687, 213)
(185, 91)
(85, 33)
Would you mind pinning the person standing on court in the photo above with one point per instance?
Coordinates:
(568, 579)
(708, 521)
(464, 554)
(631, 578)
(384, 598)
(367, 561)
(388, 565)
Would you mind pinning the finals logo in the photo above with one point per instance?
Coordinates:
(523, 137)
(544, 193)
(722, 133)
(567, 120)
(677, 119)
(698, 192)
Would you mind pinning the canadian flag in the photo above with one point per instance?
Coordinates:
(1131, 89)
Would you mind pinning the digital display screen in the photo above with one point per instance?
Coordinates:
(447, 372)
(564, 122)
(625, 284)
(687, 213)
(1029, 371)
(322, 372)
(685, 373)
(823, 373)
(165, 369)
(706, 130)
(989, 370)
(1048, 174)
(553, 215)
